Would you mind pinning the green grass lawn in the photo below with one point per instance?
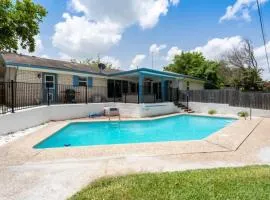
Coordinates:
(225, 183)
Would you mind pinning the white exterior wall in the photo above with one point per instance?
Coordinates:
(23, 119)
(196, 86)
(33, 117)
(193, 85)
(226, 109)
(100, 82)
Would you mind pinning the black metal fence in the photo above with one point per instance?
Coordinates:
(18, 95)
(257, 100)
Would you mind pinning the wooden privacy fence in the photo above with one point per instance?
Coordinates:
(257, 100)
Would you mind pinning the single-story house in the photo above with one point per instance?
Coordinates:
(40, 79)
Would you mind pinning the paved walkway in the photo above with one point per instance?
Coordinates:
(24, 175)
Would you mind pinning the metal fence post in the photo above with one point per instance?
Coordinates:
(86, 94)
(125, 97)
(138, 96)
(114, 91)
(187, 101)
(48, 96)
(12, 96)
(250, 107)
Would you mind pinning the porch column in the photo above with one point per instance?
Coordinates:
(163, 88)
(141, 92)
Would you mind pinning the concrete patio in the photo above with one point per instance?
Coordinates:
(27, 173)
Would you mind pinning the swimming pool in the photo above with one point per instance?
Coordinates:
(176, 128)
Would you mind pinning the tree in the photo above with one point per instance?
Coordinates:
(195, 64)
(93, 63)
(19, 23)
(244, 66)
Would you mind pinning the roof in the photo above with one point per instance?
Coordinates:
(44, 63)
(37, 62)
(153, 72)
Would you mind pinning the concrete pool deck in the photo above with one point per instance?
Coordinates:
(27, 173)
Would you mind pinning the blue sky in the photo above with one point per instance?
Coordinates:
(122, 31)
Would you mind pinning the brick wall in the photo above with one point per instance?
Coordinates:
(65, 79)
(28, 76)
(33, 94)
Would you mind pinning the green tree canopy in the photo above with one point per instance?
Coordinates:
(19, 23)
(195, 64)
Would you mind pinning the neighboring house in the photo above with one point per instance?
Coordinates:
(47, 78)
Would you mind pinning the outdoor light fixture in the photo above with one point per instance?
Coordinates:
(39, 75)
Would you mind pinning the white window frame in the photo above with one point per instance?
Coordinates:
(82, 81)
(53, 81)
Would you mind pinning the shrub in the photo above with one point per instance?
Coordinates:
(243, 114)
(212, 112)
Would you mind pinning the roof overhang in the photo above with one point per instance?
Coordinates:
(51, 69)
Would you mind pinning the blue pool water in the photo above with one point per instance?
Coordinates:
(176, 128)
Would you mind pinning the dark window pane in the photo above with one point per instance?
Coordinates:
(110, 85)
(125, 87)
(133, 87)
(82, 79)
(49, 85)
(49, 78)
(82, 83)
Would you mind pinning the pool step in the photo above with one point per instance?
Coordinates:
(183, 107)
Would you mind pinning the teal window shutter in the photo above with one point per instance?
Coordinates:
(90, 82)
(75, 81)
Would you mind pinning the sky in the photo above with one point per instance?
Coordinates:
(134, 33)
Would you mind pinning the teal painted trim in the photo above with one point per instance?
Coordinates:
(141, 92)
(90, 82)
(45, 91)
(75, 81)
(154, 72)
(163, 90)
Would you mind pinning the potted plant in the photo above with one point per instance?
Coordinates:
(212, 112)
(243, 114)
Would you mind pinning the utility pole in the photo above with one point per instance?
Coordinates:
(263, 33)
(152, 60)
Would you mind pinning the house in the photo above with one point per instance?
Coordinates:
(39, 79)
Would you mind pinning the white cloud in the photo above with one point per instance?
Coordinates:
(137, 60)
(111, 60)
(217, 47)
(155, 49)
(38, 49)
(261, 58)
(81, 38)
(240, 10)
(175, 2)
(100, 24)
(146, 13)
(65, 57)
(172, 53)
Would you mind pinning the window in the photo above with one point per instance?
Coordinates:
(49, 81)
(132, 87)
(147, 87)
(83, 81)
(125, 87)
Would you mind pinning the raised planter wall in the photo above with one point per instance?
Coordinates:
(226, 109)
(28, 118)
